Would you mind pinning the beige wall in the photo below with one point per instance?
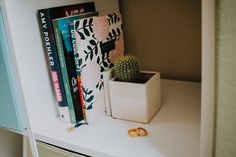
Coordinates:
(10, 144)
(165, 35)
(225, 136)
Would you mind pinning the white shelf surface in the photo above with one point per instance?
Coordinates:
(173, 132)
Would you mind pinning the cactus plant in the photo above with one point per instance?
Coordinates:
(126, 69)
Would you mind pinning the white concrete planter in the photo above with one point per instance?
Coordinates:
(136, 101)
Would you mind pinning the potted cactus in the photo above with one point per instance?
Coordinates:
(126, 69)
(134, 95)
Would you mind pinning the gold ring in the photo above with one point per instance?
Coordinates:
(133, 132)
(142, 131)
(70, 129)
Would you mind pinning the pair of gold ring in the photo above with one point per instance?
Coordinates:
(134, 132)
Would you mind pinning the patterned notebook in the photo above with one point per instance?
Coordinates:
(99, 40)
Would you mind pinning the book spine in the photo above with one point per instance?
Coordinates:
(53, 63)
(76, 58)
(72, 76)
(107, 75)
(69, 75)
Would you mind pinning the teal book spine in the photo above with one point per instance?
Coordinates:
(65, 78)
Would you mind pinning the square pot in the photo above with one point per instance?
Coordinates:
(137, 102)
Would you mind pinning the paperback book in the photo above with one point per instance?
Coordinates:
(45, 22)
(99, 40)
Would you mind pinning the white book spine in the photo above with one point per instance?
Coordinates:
(107, 75)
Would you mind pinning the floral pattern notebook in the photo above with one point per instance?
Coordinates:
(99, 41)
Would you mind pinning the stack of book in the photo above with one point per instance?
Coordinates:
(80, 46)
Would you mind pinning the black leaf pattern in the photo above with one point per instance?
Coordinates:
(97, 85)
(98, 60)
(81, 35)
(96, 50)
(90, 107)
(93, 36)
(76, 24)
(89, 47)
(118, 31)
(114, 32)
(101, 85)
(111, 20)
(90, 92)
(85, 91)
(91, 56)
(102, 69)
(91, 29)
(86, 57)
(92, 42)
(84, 22)
(105, 64)
(86, 32)
(115, 18)
(82, 67)
(90, 21)
(110, 35)
(90, 98)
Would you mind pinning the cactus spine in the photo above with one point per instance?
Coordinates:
(126, 69)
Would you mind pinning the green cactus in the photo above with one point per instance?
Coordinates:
(126, 69)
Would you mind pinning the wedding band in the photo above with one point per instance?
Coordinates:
(133, 132)
(141, 131)
(70, 129)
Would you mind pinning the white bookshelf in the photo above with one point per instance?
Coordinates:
(174, 131)
(20, 18)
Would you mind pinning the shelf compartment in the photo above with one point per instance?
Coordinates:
(174, 131)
